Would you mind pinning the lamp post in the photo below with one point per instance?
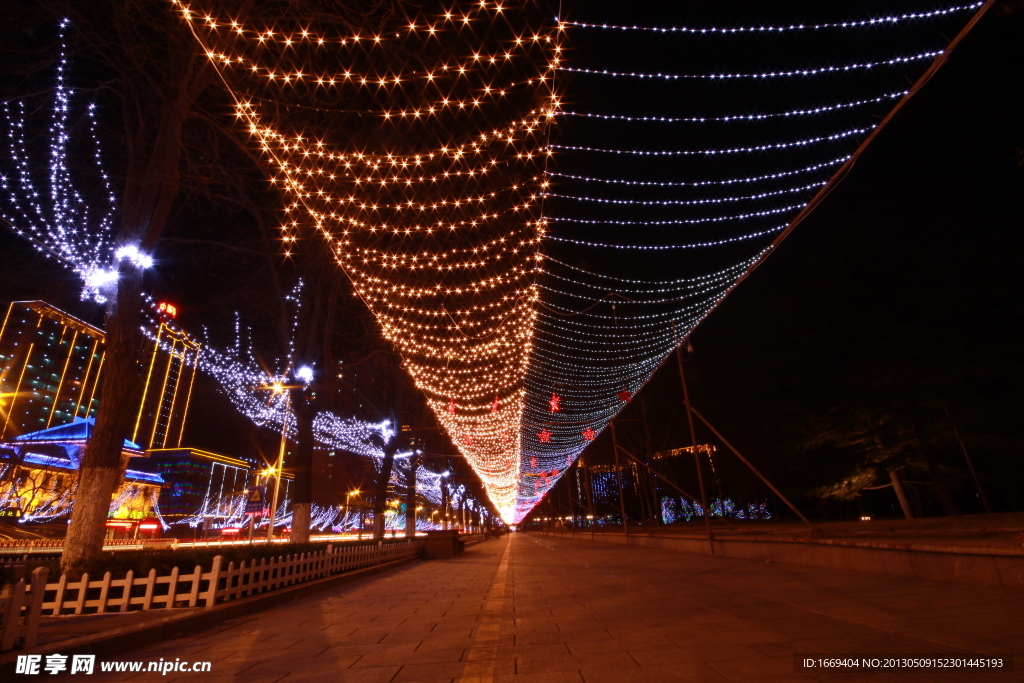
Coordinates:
(278, 467)
(278, 388)
(348, 501)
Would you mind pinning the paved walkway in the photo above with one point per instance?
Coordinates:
(534, 609)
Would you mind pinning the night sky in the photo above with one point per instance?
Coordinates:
(902, 291)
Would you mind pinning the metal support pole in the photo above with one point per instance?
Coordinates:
(618, 477)
(696, 455)
(655, 473)
(650, 452)
(970, 464)
(753, 469)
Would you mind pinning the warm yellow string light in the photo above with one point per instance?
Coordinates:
(441, 243)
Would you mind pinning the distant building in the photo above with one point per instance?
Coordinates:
(201, 483)
(51, 367)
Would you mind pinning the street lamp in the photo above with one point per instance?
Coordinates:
(348, 498)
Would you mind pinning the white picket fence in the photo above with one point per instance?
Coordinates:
(26, 602)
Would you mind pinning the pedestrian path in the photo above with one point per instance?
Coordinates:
(535, 609)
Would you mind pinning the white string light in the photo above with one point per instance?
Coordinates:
(832, 163)
(714, 152)
(859, 66)
(814, 111)
(889, 20)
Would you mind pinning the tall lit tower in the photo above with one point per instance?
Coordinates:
(51, 367)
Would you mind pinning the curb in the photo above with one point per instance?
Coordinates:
(117, 641)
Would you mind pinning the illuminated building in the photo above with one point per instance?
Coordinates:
(604, 483)
(709, 449)
(170, 374)
(39, 475)
(51, 365)
(200, 480)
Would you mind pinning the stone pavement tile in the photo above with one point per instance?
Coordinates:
(753, 669)
(686, 621)
(378, 675)
(467, 641)
(532, 613)
(366, 635)
(567, 662)
(685, 673)
(290, 664)
(546, 677)
(515, 651)
(427, 656)
(455, 623)
(581, 647)
(450, 670)
(208, 678)
(587, 635)
(359, 649)
(747, 637)
(525, 626)
(704, 654)
(579, 623)
(433, 636)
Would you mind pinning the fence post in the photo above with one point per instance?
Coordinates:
(211, 594)
(58, 601)
(101, 607)
(83, 588)
(12, 616)
(172, 588)
(147, 600)
(126, 597)
(35, 606)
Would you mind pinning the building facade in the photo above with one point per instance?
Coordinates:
(51, 369)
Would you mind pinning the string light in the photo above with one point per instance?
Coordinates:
(459, 350)
(60, 222)
(442, 232)
(713, 152)
(890, 20)
(737, 117)
(859, 66)
(705, 183)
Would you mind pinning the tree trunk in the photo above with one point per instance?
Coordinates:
(302, 486)
(380, 499)
(102, 466)
(160, 88)
(410, 497)
(901, 495)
